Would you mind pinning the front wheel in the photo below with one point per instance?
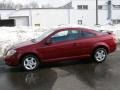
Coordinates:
(100, 55)
(30, 62)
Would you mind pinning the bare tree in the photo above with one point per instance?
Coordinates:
(8, 4)
(26, 6)
(34, 4)
(47, 6)
(18, 6)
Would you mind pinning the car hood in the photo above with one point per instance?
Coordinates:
(22, 44)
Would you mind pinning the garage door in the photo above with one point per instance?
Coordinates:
(21, 21)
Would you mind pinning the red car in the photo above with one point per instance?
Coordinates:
(63, 43)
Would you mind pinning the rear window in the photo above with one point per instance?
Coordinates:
(87, 34)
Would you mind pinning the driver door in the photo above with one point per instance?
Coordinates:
(62, 47)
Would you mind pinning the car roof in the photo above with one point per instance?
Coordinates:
(69, 26)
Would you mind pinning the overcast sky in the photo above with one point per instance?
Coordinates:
(51, 2)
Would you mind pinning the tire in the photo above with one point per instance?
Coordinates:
(30, 62)
(100, 55)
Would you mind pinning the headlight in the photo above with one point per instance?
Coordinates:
(11, 52)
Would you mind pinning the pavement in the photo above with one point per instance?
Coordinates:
(78, 75)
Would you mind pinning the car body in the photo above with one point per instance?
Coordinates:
(62, 43)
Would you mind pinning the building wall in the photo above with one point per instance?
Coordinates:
(52, 17)
(4, 14)
(85, 16)
(89, 16)
(91, 3)
(38, 17)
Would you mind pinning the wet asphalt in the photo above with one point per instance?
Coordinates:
(79, 75)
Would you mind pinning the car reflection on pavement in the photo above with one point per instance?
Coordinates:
(36, 80)
(45, 78)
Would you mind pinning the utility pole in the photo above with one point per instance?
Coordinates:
(96, 12)
(109, 12)
(30, 17)
(69, 14)
(30, 13)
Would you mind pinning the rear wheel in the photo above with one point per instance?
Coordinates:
(30, 62)
(100, 55)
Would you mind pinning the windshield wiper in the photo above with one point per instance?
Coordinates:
(33, 40)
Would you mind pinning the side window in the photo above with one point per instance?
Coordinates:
(60, 36)
(87, 34)
(73, 34)
(65, 35)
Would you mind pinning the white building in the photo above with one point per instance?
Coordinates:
(83, 12)
(36, 17)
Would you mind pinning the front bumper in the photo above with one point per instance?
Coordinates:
(11, 60)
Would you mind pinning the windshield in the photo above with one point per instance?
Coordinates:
(43, 35)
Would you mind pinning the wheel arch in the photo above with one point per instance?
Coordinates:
(100, 46)
(29, 53)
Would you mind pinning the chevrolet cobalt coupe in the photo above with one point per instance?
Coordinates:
(61, 43)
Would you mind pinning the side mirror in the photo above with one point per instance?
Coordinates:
(49, 41)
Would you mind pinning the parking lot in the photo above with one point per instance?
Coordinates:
(78, 75)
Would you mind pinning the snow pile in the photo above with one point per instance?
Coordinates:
(12, 35)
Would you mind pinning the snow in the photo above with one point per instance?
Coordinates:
(13, 35)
